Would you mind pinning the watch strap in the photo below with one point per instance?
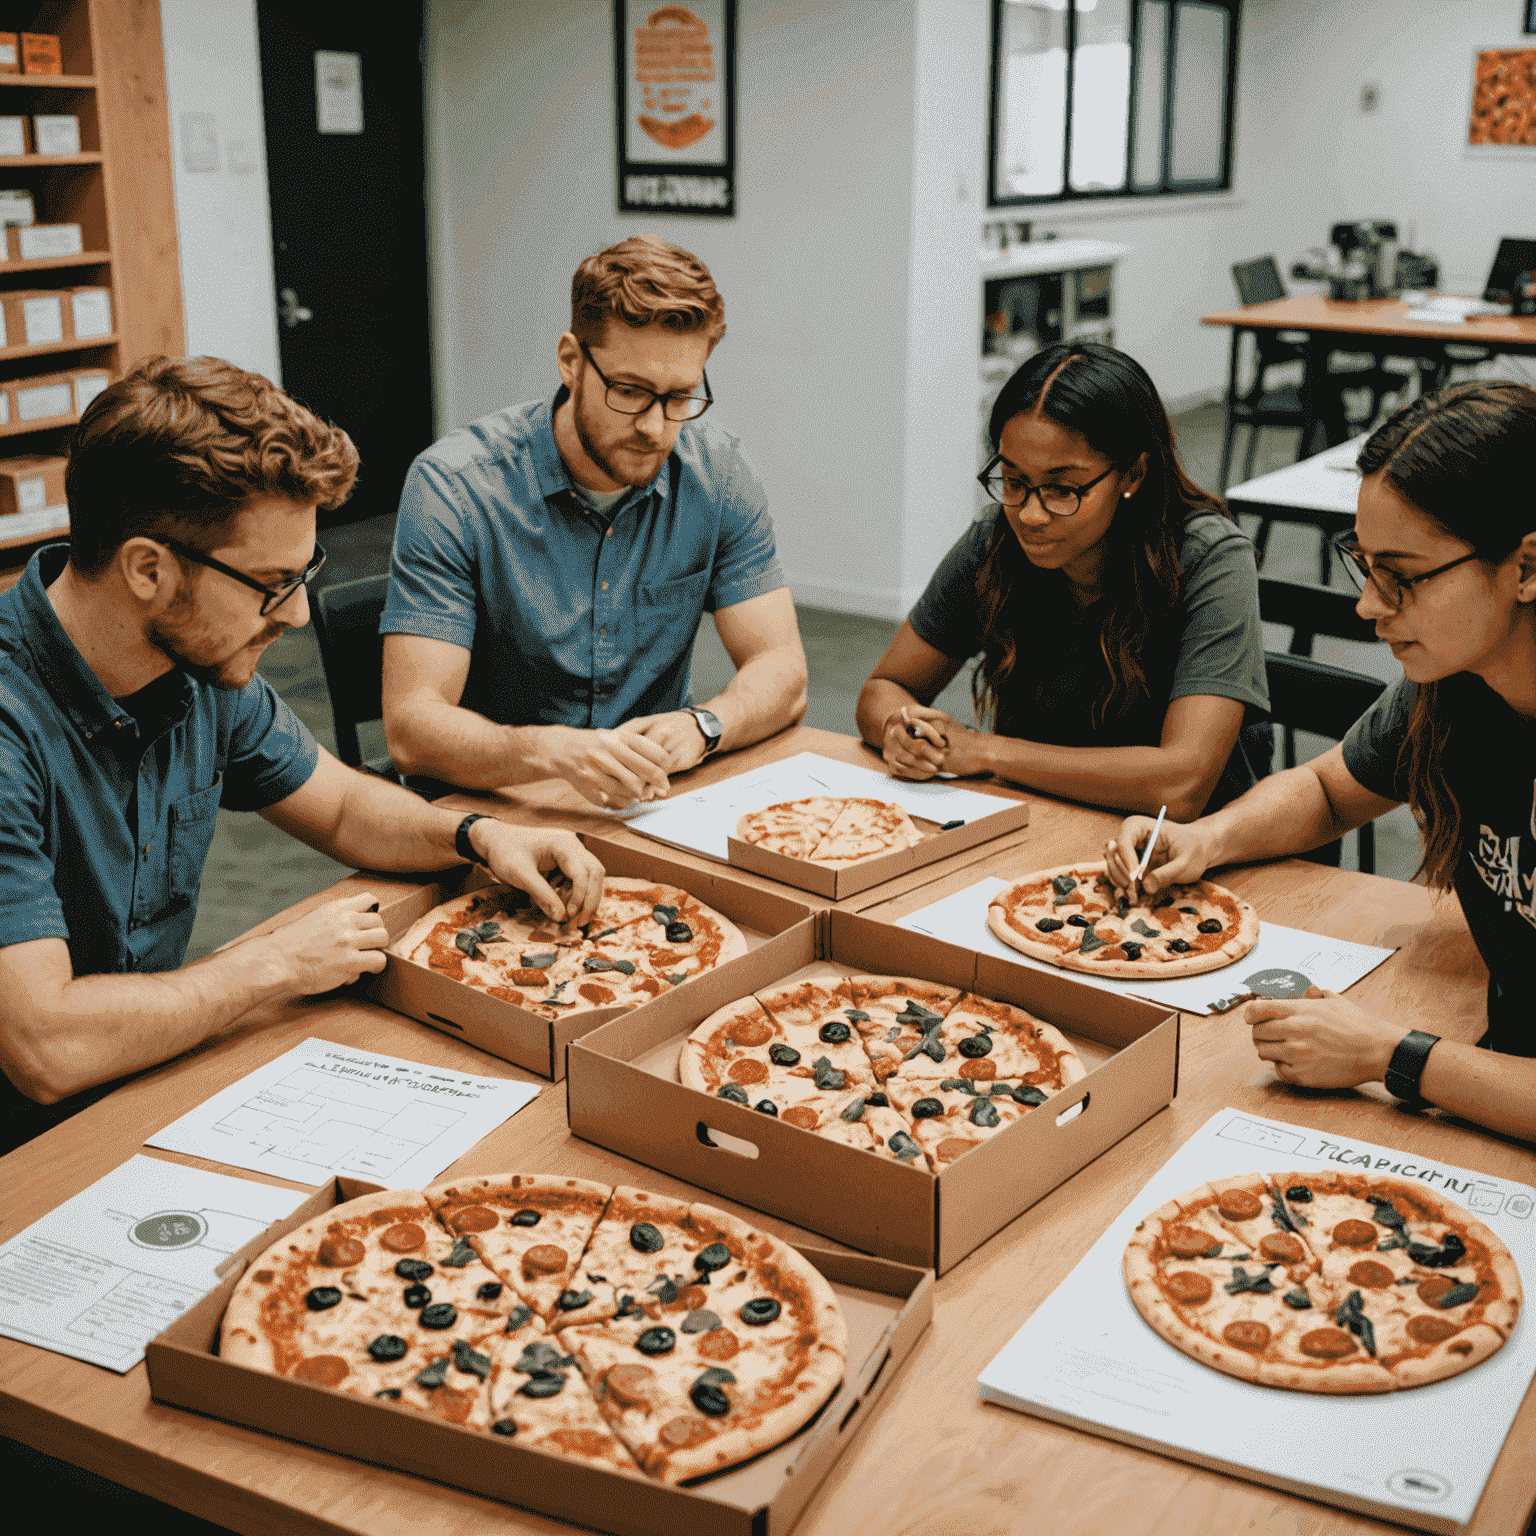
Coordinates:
(461, 843)
(704, 719)
(1407, 1066)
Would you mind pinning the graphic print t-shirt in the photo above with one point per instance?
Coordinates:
(1490, 765)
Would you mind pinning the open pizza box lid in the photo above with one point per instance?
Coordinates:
(886, 1306)
(838, 884)
(516, 1034)
(622, 1092)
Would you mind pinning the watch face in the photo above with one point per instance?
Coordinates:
(710, 726)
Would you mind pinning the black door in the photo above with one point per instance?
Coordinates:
(349, 231)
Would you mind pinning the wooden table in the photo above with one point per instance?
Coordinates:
(934, 1460)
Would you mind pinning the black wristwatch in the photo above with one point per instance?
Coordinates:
(710, 726)
(461, 843)
(1407, 1066)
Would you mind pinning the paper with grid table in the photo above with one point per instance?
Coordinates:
(1421, 1456)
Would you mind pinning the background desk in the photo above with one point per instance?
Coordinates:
(935, 1460)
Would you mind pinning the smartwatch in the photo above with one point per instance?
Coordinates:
(710, 726)
(461, 843)
(1407, 1066)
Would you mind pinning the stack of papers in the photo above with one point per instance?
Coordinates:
(1447, 309)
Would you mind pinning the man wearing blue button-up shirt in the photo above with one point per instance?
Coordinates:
(130, 712)
(553, 562)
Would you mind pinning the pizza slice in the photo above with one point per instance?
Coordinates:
(985, 1041)
(897, 1016)
(864, 1118)
(792, 827)
(952, 1115)
(865, 829)
(530, 1229)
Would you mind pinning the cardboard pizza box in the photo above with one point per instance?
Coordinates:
(528, 1039)
(887, 1307)
(622, 1093)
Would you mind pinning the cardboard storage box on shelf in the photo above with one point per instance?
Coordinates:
(16, 208)
(33, 317)
(86, 384)
(886, 1306)
(622, 1093)
(40, 54)
(90, 312)
(10, 53)
(30, 483)
(527, 1039)
(837, 884)
(38, 242)
(56, 133)
(13, 135)
(44, 397)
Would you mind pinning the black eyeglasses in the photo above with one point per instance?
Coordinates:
(1013, 491)
(1391, 588)
(636, 400)
(274, 597)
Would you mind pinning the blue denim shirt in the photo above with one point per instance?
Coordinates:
(570, 619)
(103, 831)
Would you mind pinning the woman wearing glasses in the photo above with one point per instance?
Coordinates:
(1114, 603)
(1444, 551)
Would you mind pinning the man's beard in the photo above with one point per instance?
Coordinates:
(590, 448)
(213, 673)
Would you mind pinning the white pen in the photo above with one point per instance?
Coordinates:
(1141, 868)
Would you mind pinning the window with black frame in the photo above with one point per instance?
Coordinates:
(1111, 98)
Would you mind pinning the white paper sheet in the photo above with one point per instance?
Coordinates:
(101, 1275)
(1283, 963)
(704, 820)
(1328, 480)
(1421, 1456)
(323, 1109)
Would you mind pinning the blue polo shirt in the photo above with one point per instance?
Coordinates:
(105, 819)
(572, 617)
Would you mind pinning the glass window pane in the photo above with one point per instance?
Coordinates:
(1150, 46)
(1199, 90)
(1101, 86)
(1032, 98)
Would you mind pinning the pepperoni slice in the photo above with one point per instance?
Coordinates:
(1186, 1286)
(686, 1430)
(722, 1344)
(340, 1252)
(544, 1259)
(453, 1404)
(1247, 1335)
(594, 992)
(473, 1218)
(323, 1370)
(1239, 1204)
(978, 1071)
(802, 1115)
(527, 976)
(631, 1385)
(748, 1070)
(1355, 1234)
(952, 1147)
(1371, 1275)
(1191, 1243)
(1282, 1246)
(751, 1031)
(402, 1237)
(1328, 1344)
(1432, 1289)
(689, 1299)
(1431, 1330)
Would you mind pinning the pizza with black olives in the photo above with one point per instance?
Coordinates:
(1324, 1282)
(617, 1327)
(867, 1060)
(643, 940)
(1075, 918)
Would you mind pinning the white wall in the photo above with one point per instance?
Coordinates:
(222, 219)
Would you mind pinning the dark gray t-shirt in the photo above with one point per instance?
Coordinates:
(1212, 644)
(1489, 762)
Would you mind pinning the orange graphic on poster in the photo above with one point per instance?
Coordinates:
(1504, 97)
(674, 63)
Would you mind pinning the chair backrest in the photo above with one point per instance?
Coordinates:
(1258, 281)
(1307, 695)
(1309, 611)
(346, 620)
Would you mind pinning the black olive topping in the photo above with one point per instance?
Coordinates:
(1451, 1251)
(679, 933)
(656, 1341)
(984, 1113)
(441, 1314)
(489, 1291)
(828, 1077)
(1063, 885)
(503, 1427)
(1193, 911)
(701, 1320)
(417, 1296)
(462, 1254)
(759, 1311)
(767, 1107)
(524, 1218)
(542, 1384)
(1124, 907)
(322, 1298)
(783, 1055)
(469, 1360)
(1077, 920)
(1132, 951)
(569, 1300)
(1210, 925)
(392, 1393)
(388, 1346)
(734, 1092)
(976, 1045)
(1179, 946)
(434, 1375)
(1298, 1194)
(517, 1317)
(926, 1109)
(705, 1393)
(877, 1101)
(644, 1238)
(834, 1032)
(1049, 924)
(902, 1147)
(716, 1256)
(663, 913)
(412, 1269)
(1298, 1299)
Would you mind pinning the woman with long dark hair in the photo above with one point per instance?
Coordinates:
(1114, 603)
(1444, 550)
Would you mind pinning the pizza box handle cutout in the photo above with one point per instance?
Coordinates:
(1072, 1113)
(706, 1135)
(879, 1372)
(446, 1023)
(858, 1403)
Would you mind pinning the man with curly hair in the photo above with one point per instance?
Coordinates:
(131, 711)
(553, 561)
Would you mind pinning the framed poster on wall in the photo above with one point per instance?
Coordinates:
(675, 86)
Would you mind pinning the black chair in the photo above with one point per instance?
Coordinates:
(1308, 695)
(346, 618)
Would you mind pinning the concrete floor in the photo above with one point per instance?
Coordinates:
(253, 870)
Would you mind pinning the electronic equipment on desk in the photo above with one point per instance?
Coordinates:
(1365, 261)
(1525, 294)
